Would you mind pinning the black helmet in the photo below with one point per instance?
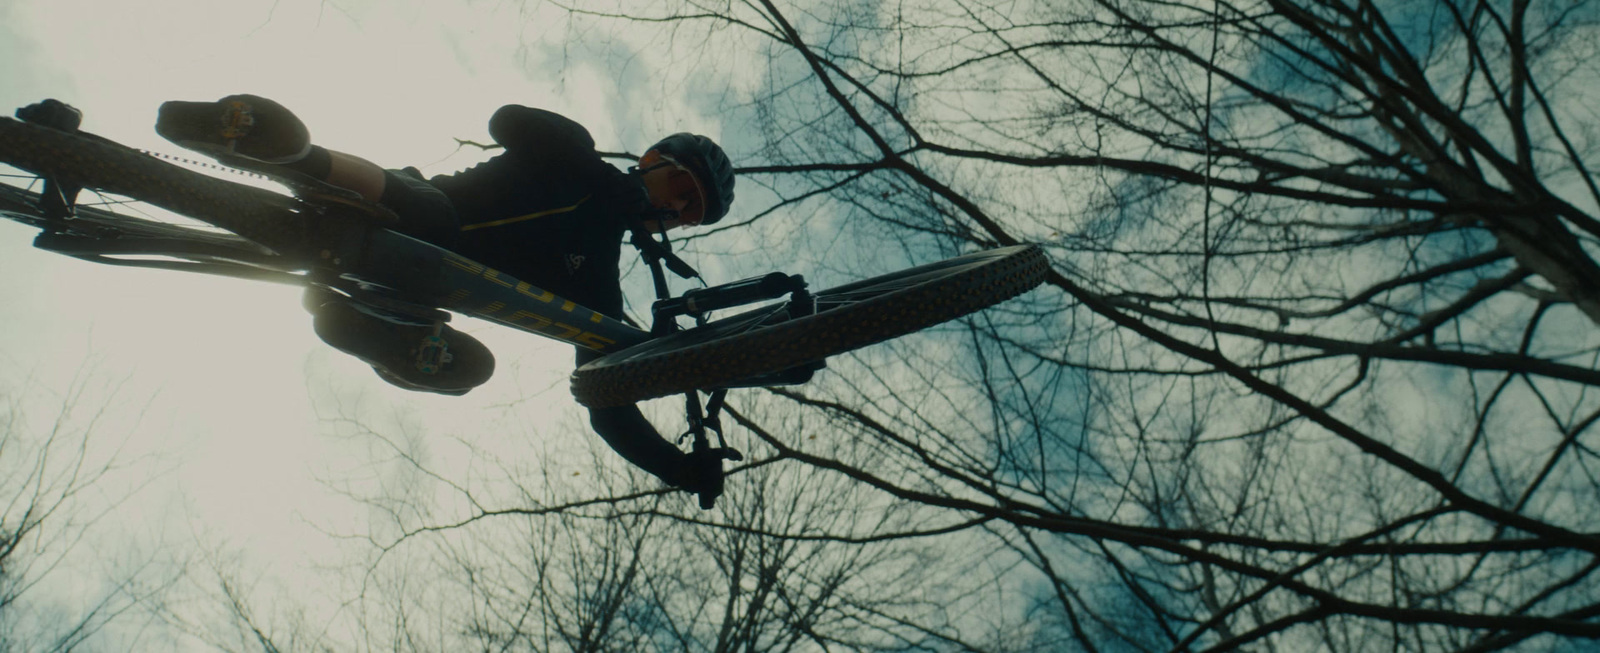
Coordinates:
(709, 165)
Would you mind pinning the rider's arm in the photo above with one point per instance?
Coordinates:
(634, 438)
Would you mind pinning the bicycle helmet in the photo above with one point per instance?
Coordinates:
(709, 165)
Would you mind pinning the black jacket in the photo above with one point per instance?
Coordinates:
(551, 212)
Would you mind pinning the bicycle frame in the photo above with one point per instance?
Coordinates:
(390, 271)
(362, 260)
(430, 273)
(446, 279)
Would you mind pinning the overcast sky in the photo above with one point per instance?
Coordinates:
(226, 372)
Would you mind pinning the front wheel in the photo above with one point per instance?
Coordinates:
(848, 317)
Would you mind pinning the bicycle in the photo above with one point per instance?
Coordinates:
(318, 235)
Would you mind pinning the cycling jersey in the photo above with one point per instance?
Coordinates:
(548, 210)
(551, 212)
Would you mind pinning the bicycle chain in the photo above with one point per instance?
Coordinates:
(311, 191)
(296, 186)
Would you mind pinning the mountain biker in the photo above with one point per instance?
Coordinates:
(548, 210)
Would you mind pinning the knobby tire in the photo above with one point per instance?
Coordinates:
(264, 217)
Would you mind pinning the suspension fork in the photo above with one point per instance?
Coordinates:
(706, 418)
(59, 199)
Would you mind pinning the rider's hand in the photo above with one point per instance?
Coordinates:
(701, 474)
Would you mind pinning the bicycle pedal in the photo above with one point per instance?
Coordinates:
(237, 119)
(433, 355)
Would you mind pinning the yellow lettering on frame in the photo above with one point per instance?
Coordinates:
(494, 275)
(464, 264)
(527, 289)
(594, 341)
(568, 306)
(539, 321)
(492, 308)
(567, 331)
(595, 318)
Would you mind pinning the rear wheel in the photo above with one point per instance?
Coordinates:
(263, 217)
(92, 222)
(848, 317)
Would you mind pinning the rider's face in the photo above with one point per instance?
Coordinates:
(673, 188)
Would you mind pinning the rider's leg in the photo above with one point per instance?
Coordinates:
(264, 132)
(357, 174)
(261, 130)
(394, 350)
(425, 212)
(267, 134)
(343, 170)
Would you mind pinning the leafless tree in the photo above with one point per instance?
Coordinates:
(1313, 369)
(62, 472)
(1314, 365)
(477, 551)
